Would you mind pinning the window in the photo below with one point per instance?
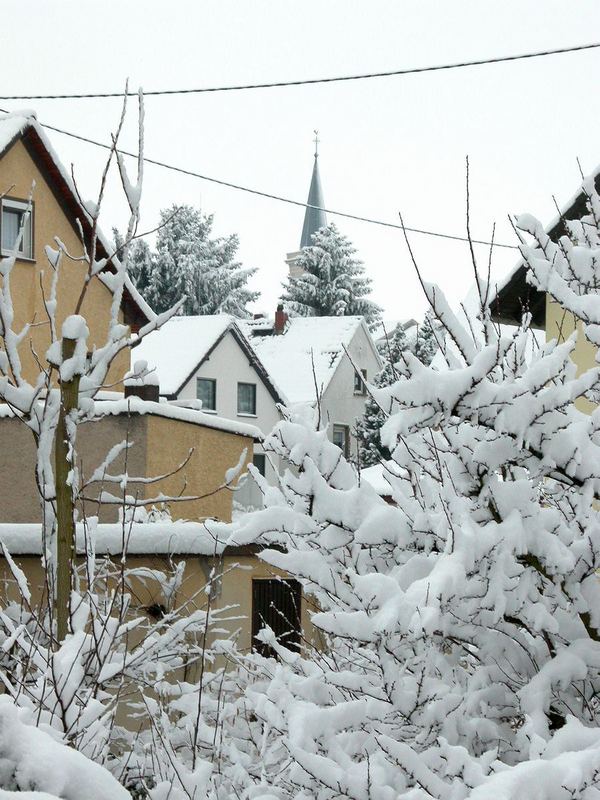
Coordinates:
(247, 399)
(15, 214)
(206, 390)
(276, 603)
(360, 382)
(341, 438)
(259, 462)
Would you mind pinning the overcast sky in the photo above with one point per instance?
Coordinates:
(387, 145)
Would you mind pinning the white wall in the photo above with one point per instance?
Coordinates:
(228, 365)
(340, 404)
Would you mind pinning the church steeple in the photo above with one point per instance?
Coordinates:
(314, 218)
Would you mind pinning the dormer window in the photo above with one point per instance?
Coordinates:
(16, 214)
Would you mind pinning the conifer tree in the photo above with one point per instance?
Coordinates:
(139, 261)
(426, 345)
(189, 262)
(332, 282)
(368, 428)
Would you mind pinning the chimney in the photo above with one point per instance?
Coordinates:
(146, 391)
(280, 320)
(142, 382)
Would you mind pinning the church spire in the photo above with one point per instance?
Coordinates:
(314, 218)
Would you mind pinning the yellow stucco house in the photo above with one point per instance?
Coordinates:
(515, 296)
(164, 434)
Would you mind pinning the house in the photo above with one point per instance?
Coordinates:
(162, 436)
(29, 167)
(515, 296)
(209, 359)
(319, 362)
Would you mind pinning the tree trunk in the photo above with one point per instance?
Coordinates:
(65, 507)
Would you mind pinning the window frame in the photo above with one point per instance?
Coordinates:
(345, 430)
(246, 413)
(21, 206)
(360, 381)
(262, 458)
(212, 381)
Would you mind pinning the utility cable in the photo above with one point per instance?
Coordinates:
(268, 195)
(279, 198)
(311, 81)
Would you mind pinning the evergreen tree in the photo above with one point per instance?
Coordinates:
(368, 428)
(188, 261)
(139, 266)
(426, 345)
(332, 282)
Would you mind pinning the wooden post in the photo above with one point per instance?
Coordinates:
(65, 506)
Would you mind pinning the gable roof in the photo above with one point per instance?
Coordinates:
(514, 295)
(23, 126)
(183, 344)
(306, 341)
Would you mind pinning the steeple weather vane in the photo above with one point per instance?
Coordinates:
(316, 141)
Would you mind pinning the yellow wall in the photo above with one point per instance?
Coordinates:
(235, 590)
(560, 324)
(215, 451)
(17, 172)
(158, 445)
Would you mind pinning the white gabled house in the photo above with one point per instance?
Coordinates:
(322, 361)
(208, 359)
(244, 369)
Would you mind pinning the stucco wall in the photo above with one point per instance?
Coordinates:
(560, 325)
(17, 172)
(168, 443)
(340, 405)
(235, 589)
(158, 445)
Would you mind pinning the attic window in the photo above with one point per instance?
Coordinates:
(360, 382)
(16, 214)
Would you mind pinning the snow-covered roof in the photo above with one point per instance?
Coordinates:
(513, 293)
(379, 477)
(181, 537)
(289, 357)
(135, 405)
(24, 123)
(177, 349)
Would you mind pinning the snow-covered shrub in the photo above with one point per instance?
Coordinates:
(36, 764)
(118, 688)
(463, 623)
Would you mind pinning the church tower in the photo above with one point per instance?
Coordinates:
(314, 217)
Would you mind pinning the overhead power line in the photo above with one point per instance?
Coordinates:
(269, 196)
(310, 81)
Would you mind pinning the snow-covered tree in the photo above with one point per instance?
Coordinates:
(139, 261)
(332, 282)
(188, 261)
(368, 428)
(463, 623)
(427, 340)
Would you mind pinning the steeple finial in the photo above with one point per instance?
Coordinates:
(316, 141)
